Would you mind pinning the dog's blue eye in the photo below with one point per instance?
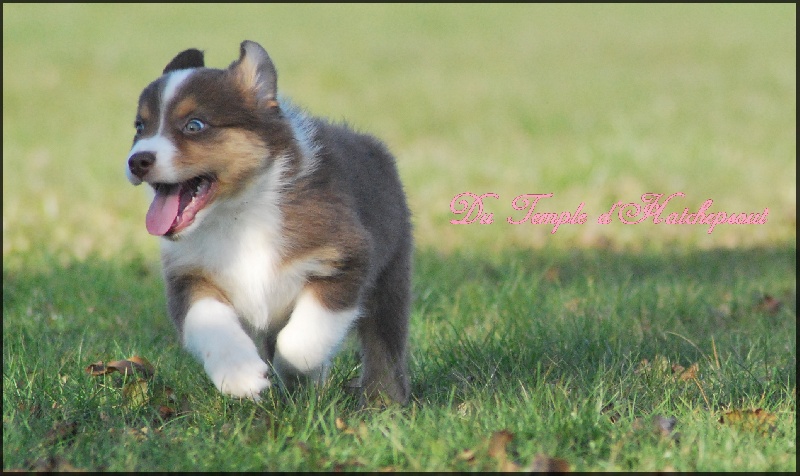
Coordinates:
(195, 125)
(139, 125)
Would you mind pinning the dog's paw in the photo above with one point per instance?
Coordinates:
(239, 376)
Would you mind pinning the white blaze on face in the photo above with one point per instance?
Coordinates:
(160, 144)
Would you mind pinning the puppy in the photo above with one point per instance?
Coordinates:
(276, 227)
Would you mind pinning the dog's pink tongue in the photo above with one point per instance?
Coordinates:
(163, 210)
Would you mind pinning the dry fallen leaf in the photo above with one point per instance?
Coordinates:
(642, 366)
(141, 388)
(165, 412)
(497, 450)
(139, 434)
(466, 455)
(496, 454)
(757, 420)
(135, 364)
(169, 393)
(61, 432)
(608, 410)
(658, 365)
(97, 368)
(340, 424)
(769, 305)
(141, 365)
(545, 464)
(685, 374)
(498, 443)
(353, 463)
(360, 432)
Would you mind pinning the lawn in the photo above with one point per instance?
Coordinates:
(598, 347)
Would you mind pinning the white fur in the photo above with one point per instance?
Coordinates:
(311, 338)
(174, 81)
(164, 170)
(304, 129)
(213, 334)
(238, 243)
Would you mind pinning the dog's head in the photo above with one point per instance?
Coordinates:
(203, 134)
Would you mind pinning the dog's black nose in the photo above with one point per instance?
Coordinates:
(140, 163)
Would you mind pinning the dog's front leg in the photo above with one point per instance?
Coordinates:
(309, 340)
(212, 332)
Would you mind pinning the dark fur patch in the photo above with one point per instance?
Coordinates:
(191, 58)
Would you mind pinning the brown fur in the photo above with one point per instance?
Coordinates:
(186, 288)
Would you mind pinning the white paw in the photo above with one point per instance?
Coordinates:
(239, 374)
(287, 373)
(212, 333)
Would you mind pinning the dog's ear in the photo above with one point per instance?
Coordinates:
(255, 73)
(191, 58)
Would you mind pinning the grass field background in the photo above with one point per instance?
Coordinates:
(570, 342)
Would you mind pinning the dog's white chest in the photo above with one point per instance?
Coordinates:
(245, 263)
(261, 290)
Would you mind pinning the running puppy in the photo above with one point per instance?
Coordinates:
(276, 228)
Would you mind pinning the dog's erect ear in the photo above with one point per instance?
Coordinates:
(255, 72)
(191, 58)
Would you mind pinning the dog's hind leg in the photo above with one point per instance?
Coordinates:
(383, 332)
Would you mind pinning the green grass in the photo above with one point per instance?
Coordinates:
(513, 328)
(499, 343)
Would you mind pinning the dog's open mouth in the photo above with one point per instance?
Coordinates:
(175, 205)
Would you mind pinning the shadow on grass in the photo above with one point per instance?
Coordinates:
(94, 294)
(480, 321)
(488, 322)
